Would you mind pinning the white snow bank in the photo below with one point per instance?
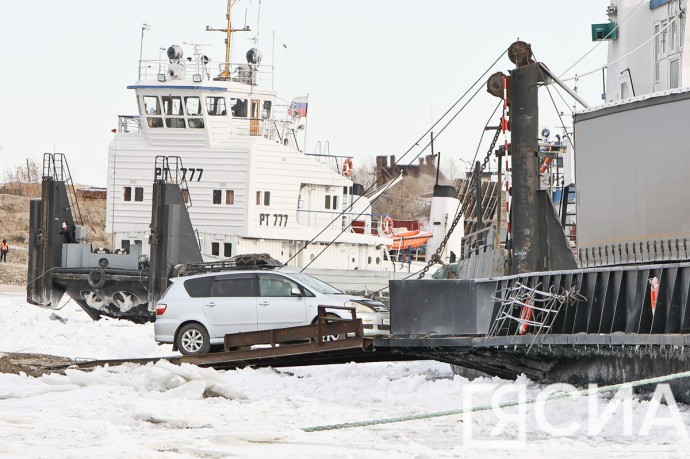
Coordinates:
(163, 410)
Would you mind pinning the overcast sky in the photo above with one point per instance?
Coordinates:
(378, 73)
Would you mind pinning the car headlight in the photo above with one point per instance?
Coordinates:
(359, 307)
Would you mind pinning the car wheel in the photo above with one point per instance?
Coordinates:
(192, 339)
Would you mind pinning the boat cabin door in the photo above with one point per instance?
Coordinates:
(254, 118)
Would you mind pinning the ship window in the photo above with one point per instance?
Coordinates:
(674, 36)
(656, 52)
(674, 70)
(192, 105)
(196, 123)
(138, 245)
(227, 249)
(125, 245)
(155, 122)
(139, 193)
(258, 198)
(267, 198)
(215, 248)
(152, 106)
(229, 197)
(335, 202)
(328, 201)
(255, 109)
(175, 122)
(127, 193)
(185, 195)
(215, 106)
(239, 107)
(266, 113)
(216, 196)
(172, 105)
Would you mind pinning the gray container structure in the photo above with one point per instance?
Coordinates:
(631, 169)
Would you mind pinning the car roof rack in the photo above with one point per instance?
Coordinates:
(250, 261)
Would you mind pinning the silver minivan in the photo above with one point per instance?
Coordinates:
(197, 311)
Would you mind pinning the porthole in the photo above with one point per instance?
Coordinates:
(378, 260)
(369, 260)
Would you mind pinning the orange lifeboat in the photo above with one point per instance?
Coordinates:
(409, 239)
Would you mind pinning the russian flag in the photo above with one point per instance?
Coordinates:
(298, 106)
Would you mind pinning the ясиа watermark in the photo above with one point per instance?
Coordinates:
(501, 417)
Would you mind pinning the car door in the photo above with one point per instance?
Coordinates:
(231, 306)
(279, 305)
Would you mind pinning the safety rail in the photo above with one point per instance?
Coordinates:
(477, 241)
(128, 123)
(198, 71)
(55, 166)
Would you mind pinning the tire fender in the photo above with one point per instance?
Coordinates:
(97, 278)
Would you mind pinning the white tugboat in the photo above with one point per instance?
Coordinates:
(250, 186)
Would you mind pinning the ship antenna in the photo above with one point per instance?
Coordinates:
(228, 30)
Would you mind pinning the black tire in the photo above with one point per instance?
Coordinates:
(97, 278)
(192, 339)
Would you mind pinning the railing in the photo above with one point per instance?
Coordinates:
(478, 241)
(55, 166)
(333, 162)
(198, 72)
(128, 123)
(321, 218)
(635, 252)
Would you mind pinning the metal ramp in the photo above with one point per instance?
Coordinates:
(292, 345)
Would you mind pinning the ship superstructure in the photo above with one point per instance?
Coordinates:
(249, 186)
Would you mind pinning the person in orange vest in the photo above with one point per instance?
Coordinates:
(4, 248)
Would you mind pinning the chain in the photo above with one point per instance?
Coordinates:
(436, 257)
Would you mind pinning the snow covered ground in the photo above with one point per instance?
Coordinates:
(163, 410)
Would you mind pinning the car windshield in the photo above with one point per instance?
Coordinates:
(315, 284)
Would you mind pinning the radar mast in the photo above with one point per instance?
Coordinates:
(228, 30)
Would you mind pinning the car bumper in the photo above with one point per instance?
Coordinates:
(164, 330)
(375, 324)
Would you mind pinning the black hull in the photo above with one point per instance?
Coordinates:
(104, 292)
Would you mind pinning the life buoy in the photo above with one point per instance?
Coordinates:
(654, 292)
(545, 165)
(97, 278)
(347, 167)
(525, 315)
(387, 225)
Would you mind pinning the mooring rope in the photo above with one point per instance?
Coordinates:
(557, 396)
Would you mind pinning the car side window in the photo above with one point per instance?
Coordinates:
(233, 287)
(276, 286)
(198, 288)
